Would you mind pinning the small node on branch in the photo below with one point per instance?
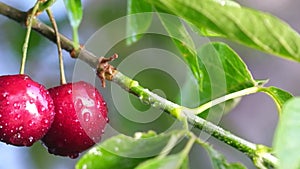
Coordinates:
(105, 71)
(75, 52)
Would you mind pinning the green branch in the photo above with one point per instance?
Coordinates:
(132, 86)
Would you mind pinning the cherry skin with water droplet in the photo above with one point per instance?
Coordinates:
(81, 116)
(24, 106)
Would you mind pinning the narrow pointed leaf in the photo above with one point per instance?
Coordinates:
(137, 24)
(287, 136)
(279, 96)
(250, 27)
(74, 10)
(123, 152)
(183, 42)
(224, 72)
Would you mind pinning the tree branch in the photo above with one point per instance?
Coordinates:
(145, 95)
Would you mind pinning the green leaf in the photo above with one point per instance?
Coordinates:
(137, 24)
(176, 161)
(123, 152)
(44, 5)
(74, 10)
(183, 42)
(224, 73)
(287, 136)
(279, 96)
(253, 28)
(219, 161)
(185, 164)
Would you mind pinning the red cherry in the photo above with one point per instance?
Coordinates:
(26, 110)
(80, 119)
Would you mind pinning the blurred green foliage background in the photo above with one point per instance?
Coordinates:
(254, 119)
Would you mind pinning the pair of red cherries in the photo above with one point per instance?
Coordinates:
(68, 119)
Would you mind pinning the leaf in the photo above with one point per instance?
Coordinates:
(287, 136)
(185, 164)
(183, 42)
(74, 10)
(44, 5)
(138, 20)
(123, 152)
(219, 161)
(224, 72)
(253, 28)
(176, 161)
(279, 96)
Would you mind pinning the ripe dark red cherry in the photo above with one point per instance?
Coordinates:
(26, 110)
(81, 116)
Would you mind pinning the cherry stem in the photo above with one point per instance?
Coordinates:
(30, 16)
(60, 56)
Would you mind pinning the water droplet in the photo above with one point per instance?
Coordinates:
(73, 156)
(118, 141)
(31, 123)
(141, 97)
(46, 121)
(18, 116)
(5, 94)
(1, 127)
(78, 104)
(116, 148)
(20, 128)
(43, 109)
(7, 103)
(18, 135)
(56, 93)
(106, 119)
(84, 166)
(28, 85)
(11, 131)
(60, 124)
(0, 115)
(69, 91)
(86, 116)
(31, 101)
(30, 139)
(52, 150)
(16, 105)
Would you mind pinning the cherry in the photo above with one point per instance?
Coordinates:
(80, 119)
(26, 110)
